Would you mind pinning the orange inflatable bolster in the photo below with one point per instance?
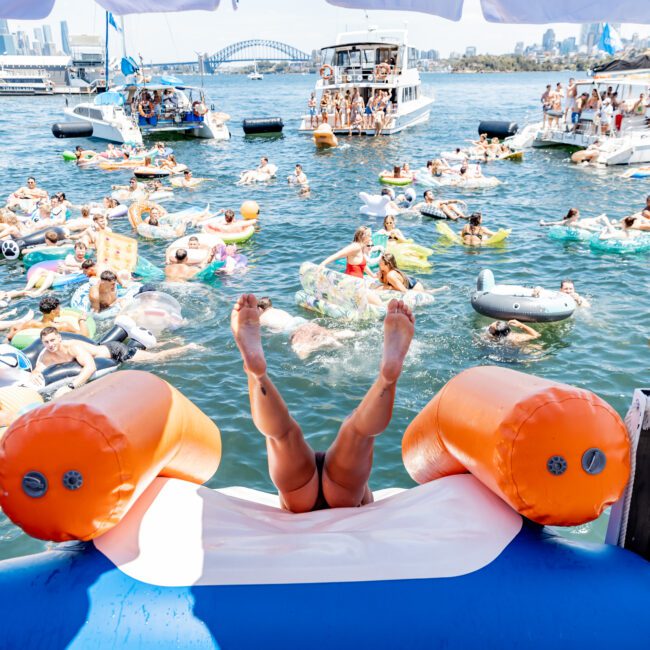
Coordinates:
(72, 469)
(558, 455)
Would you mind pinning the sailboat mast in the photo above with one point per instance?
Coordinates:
(106, 53)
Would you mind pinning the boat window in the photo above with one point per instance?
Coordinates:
(342, 59)
(413, 57)
(355, 58)
(95, 113)
(369, 57)
(327, 56)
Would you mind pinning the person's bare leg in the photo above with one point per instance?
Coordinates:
(146, 355)
(292, 464)
(349, 459)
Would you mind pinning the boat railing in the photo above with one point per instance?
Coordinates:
(354, 75)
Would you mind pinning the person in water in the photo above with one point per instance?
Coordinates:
(355, 254)
(50, 308)
(390, 230)
(306, 337)
(572, 219)
(502, 332)
(474, 234)
(56, 351)
(31, 192)
(392, 278)
(451, 208)
(103, 294)
(338, 478)
(567, 286)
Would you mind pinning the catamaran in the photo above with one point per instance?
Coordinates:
(370, 61)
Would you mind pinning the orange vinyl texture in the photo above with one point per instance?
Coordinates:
(119, 432)
(503, 426)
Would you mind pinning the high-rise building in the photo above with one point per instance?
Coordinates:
(7, 39)
(47, 34)
(548, 40)
(519, 48)
(22, 43)
(38, 35)
(568, 46)
(65, 38)
(4, 26)
(470, 50)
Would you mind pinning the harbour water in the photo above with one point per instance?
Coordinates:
(604, 349)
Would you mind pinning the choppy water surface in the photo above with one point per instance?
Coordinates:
(604, 349)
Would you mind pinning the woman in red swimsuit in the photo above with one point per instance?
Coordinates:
(355, 254)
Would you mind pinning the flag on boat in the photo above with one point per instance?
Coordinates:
(610, 41)
(128, 66)
(111, 21)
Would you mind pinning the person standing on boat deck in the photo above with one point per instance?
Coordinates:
(170, 103)
(556, 106)
(311, 105)
(338, 478)
(337, 110)
(571, 94)
(325, 107)
(346, 108)
(546, 102)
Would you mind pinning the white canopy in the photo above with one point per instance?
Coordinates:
(522, 11)
(496, 11)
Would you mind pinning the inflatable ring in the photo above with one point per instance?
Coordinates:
(199, 109)
(24, 338)
(382, 70)
(137, 209)
(326, 72)
(505, 301)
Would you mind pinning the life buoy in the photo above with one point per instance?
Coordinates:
(146, 113)
(327, 72)
(382, 71)
(199, 109)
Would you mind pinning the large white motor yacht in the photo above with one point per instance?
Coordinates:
(627, 138)
(367, 62)
(25, 82)
(117, 115)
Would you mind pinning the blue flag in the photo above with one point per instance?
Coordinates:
(610, 41)
(111, 21)
(128, 66)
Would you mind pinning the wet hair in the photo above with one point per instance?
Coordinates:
(229, 215)
(500, 329)
(60, 196)
(80, 244)
(48, 304)
(31, 178)
(187, 172)
(180, 255)
(264, 303)
(360, 233)
(298, 165)
(424, 194)
(98, 215)
(87, 264)
(571, 213)
(48, 330)
(391, 262)
(193, 238)
(265, 159)
(629, 221)
(108, 276)
(386, 192)
(475, 219)
(566, 281)
(51, 236)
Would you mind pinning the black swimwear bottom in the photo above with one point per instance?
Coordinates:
(120, 352)
(321, 503)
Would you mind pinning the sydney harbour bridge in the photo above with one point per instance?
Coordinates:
(243, 51)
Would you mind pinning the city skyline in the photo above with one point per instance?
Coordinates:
(310, 28)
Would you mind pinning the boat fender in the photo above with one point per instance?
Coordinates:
(153, 431)
(497, 128)
(253, 126)
(558, 455)
(485, 280)
(72, 130)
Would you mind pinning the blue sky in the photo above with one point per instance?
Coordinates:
(306, 24)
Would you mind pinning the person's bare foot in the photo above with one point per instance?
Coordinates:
(245, 325)
(399, 326)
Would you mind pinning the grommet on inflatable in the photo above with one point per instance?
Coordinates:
(526, 304)
(124, 473)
